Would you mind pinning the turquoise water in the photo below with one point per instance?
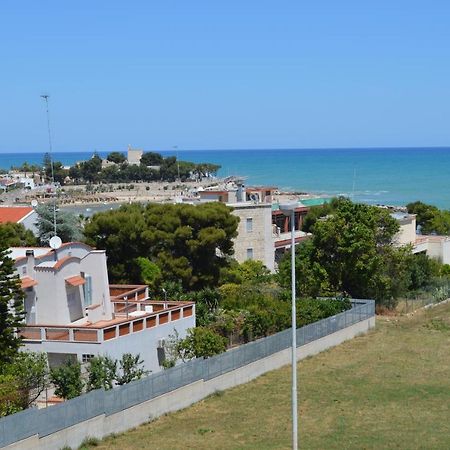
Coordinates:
(388, 176)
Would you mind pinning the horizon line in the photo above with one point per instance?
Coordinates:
(433, 147)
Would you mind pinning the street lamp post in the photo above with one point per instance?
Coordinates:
(288, 209)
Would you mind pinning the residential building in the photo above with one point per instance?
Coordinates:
(254, 239)
(73, 312)
(437, 247)
(7, 184)
(407, 233)
(134, 156)
(264, 233)
(282, 234)
(106, 163)
(25, 215)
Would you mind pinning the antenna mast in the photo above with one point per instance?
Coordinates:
(46, 97)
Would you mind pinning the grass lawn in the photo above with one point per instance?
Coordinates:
(386, 390)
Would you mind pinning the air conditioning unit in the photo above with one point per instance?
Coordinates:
(161, 343)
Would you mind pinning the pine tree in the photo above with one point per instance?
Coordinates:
(11, 308)
(68, 225)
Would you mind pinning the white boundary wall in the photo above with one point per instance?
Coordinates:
(101, 426)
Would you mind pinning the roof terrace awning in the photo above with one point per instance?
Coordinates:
(28, 282)
(77, 280)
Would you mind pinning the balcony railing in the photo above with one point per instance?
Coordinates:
(122, 325)
(128, 291)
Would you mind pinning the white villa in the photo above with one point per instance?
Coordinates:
(437, 247)
(73, 311)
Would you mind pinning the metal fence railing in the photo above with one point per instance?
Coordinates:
(437, 291)
(55, 418)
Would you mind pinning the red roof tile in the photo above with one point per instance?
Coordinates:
(14, 213)
(77, 280)
(28, 282)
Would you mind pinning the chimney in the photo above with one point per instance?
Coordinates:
(240, 193)
(30, 262)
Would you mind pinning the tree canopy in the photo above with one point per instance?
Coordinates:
(188, 243)
(430, 219)
(351, 253)
(68, 226)
(91, 171)
(116, 157)
(16, 235)
(58, 171)
(88, 171)
(319, 211)
(151, 159)
(11, 307)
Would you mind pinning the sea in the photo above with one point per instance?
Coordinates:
(390, 176)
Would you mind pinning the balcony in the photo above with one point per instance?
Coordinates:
(283, 240)
(130, 317)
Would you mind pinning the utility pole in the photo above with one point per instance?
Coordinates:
(46, 97)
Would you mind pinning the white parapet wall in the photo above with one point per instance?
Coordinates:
(102, 425)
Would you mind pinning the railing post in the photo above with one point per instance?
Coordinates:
(71, 338)
(43, 334)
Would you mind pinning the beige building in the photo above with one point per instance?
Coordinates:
(407, 232)
(437, 247)
(134, 156)
(254, 240)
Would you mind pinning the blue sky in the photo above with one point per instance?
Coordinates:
(224, 74)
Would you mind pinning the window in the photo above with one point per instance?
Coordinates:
(85, 358)
(249, 253)
(24, 270)
(249, 225)
(87, 288)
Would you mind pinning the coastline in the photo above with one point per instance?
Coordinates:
(372, 176)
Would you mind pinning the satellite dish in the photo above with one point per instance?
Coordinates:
(34, 203)
(55, 242)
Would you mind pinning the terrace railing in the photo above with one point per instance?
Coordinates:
(122, 326)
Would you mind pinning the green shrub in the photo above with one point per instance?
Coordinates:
(67, 380)
(201, 342)
(102, 373)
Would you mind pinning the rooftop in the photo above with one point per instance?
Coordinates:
(14, 213)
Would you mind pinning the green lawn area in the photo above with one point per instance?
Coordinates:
(388, 389)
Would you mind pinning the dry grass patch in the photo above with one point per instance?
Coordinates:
(388, 389)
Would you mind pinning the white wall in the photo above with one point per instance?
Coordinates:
(446, 251)
(29, 222)
(407, 233)
(94, 264)
(144, 342)
(51, 290)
